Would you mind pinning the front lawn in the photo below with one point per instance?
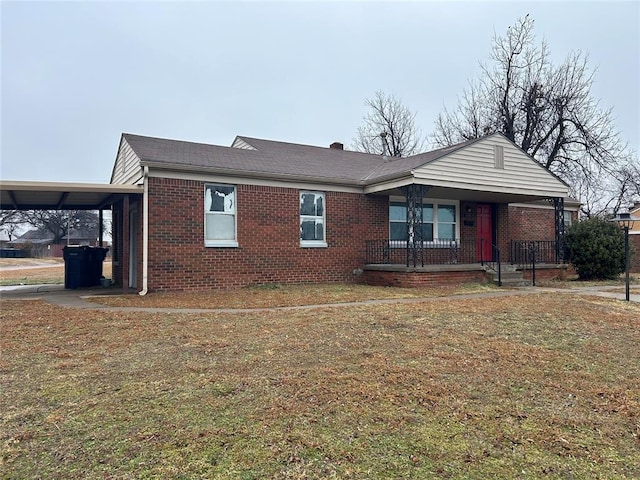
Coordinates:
(31, 271)
(536, 386)
(276, 295)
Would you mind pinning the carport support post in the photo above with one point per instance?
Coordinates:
(100, 228)
(125, 244)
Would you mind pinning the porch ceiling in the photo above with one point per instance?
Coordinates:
(18, 195)
(472, 195)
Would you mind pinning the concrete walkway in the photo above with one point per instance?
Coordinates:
(57, 295)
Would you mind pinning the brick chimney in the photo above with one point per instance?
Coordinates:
(337, 146)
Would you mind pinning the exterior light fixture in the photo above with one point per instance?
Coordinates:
(626, 222)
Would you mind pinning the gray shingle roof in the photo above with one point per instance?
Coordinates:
(36, 235)
(281, 159)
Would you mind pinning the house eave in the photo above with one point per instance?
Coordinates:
(389, 185)
(156, 168)
(462, 191)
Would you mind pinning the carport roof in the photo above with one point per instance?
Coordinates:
(20, 195)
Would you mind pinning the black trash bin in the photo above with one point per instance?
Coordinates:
(75, 266)
(83, 265)
(96, 256)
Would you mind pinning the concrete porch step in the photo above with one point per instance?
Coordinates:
(510, 276)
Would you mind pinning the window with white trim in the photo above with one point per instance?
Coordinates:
(567, 218)
(312, 219)
(440, 221)
(220, 216)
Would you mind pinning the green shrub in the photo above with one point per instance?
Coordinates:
(596, 249)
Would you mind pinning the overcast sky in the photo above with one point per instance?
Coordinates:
(76, 75)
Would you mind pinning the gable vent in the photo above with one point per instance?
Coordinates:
(498, 156)
(239, 143)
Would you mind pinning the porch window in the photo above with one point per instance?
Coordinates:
(312, 219)
(568, 219)
(439, 221)
(220, 216)
(446, 222)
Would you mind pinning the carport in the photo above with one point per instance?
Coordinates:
(24, 195)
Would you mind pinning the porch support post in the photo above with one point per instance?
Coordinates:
(414, 195)
(125, 244)
(558, 207)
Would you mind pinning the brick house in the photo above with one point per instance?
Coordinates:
(263, 211)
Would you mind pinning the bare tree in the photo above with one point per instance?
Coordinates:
(59, 222)
(9, 216)
(10, 222)
(545, 109)
(388, 129)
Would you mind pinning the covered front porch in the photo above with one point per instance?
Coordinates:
(458, 236)
(475, 207)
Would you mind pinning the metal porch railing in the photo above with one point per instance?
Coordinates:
(492, 263)
(525, 252)
(435, 252)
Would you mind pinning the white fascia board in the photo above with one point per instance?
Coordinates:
(391, 185)
(68, 187)
(240, 180)
(493, 188)
(569, 208)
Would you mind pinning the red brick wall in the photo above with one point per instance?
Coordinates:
(433, 279)
(421, 279)
(503, 216)
(531, 223)
(268, 236)
(548, 273)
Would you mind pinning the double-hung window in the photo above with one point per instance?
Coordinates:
(220, 216)
(439, 221)
(567, 218)
(398, 221)
(446, 222)
(312, 219)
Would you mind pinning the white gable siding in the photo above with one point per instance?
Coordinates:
(127, 167)
(238, 143)
(474, 168)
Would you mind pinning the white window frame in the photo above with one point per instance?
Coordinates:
(314, 243)
(567, 218)
(436, 242)
(232, 211)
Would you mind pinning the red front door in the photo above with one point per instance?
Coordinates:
(484, 232)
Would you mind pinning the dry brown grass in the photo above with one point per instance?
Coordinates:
(26, 262)
(39, 271)
(275, 295)
(574, 282)
(540, 386)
